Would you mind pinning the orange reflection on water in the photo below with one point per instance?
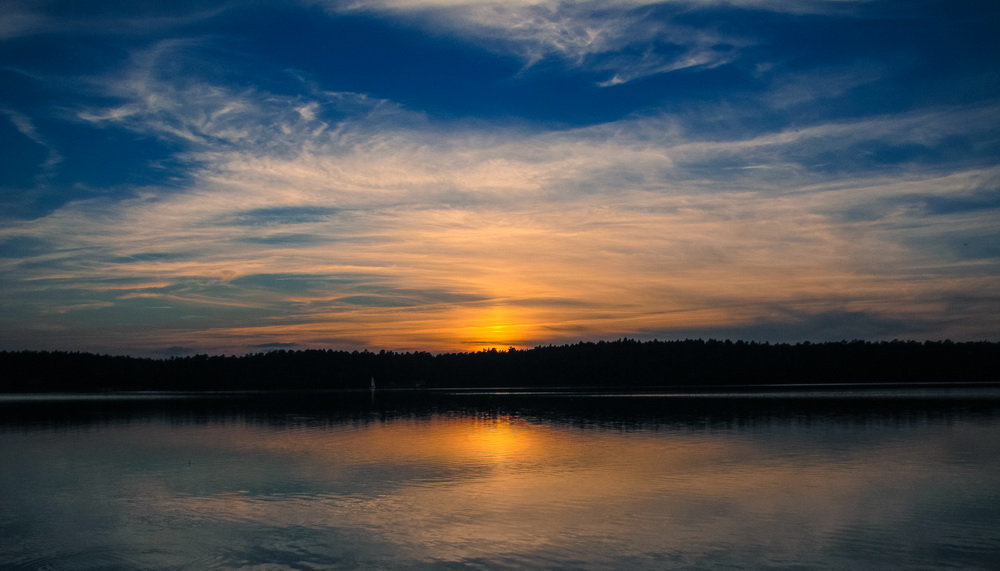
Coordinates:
(496, 438)
(459, 486)
(448, 441)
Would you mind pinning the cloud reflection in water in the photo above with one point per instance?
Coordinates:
(497, 487)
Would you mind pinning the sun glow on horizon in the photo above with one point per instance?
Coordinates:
(498, 328)
(179, 196)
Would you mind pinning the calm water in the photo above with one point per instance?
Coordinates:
(451, 481)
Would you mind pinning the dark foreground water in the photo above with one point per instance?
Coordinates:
(891, 479)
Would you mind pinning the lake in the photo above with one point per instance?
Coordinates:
(771, 478)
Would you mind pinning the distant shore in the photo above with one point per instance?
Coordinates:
(622, 365)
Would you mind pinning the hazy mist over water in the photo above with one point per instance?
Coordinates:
(486, 481)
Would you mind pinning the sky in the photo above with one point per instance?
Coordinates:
(230, 177)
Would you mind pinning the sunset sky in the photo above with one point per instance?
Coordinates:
(452, 175)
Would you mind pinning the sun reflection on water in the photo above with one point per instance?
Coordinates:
(498, 439)
(486, 488)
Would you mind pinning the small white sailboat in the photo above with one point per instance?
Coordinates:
(373, 383)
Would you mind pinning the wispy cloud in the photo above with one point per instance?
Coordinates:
(468, 235)
(300, 215)
(617, 38)
(26, 127)
(35, 17)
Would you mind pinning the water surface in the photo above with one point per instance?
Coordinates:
(492, 481)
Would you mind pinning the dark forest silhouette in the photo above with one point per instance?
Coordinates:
(618, 364)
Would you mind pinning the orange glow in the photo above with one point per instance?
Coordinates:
(496, 439)
(428, 285)
(495, 328)
(488, 440)
(466, 329)
(461, 481)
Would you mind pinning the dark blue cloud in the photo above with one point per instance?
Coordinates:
(149, 257)
(279, 216)
(176, 351)
(838, 325)
(377, 301)
(22, 246)
(283, 238)
(274, 346)
(976, 202)
(982, 201)
(300, 283)
(24, 157)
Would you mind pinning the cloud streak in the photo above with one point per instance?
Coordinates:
(306, 216)
(613, 37)
(469, 235)
(617, 38)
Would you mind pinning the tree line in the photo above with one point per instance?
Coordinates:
(623, 364)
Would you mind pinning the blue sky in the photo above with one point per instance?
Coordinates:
(452, 175)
